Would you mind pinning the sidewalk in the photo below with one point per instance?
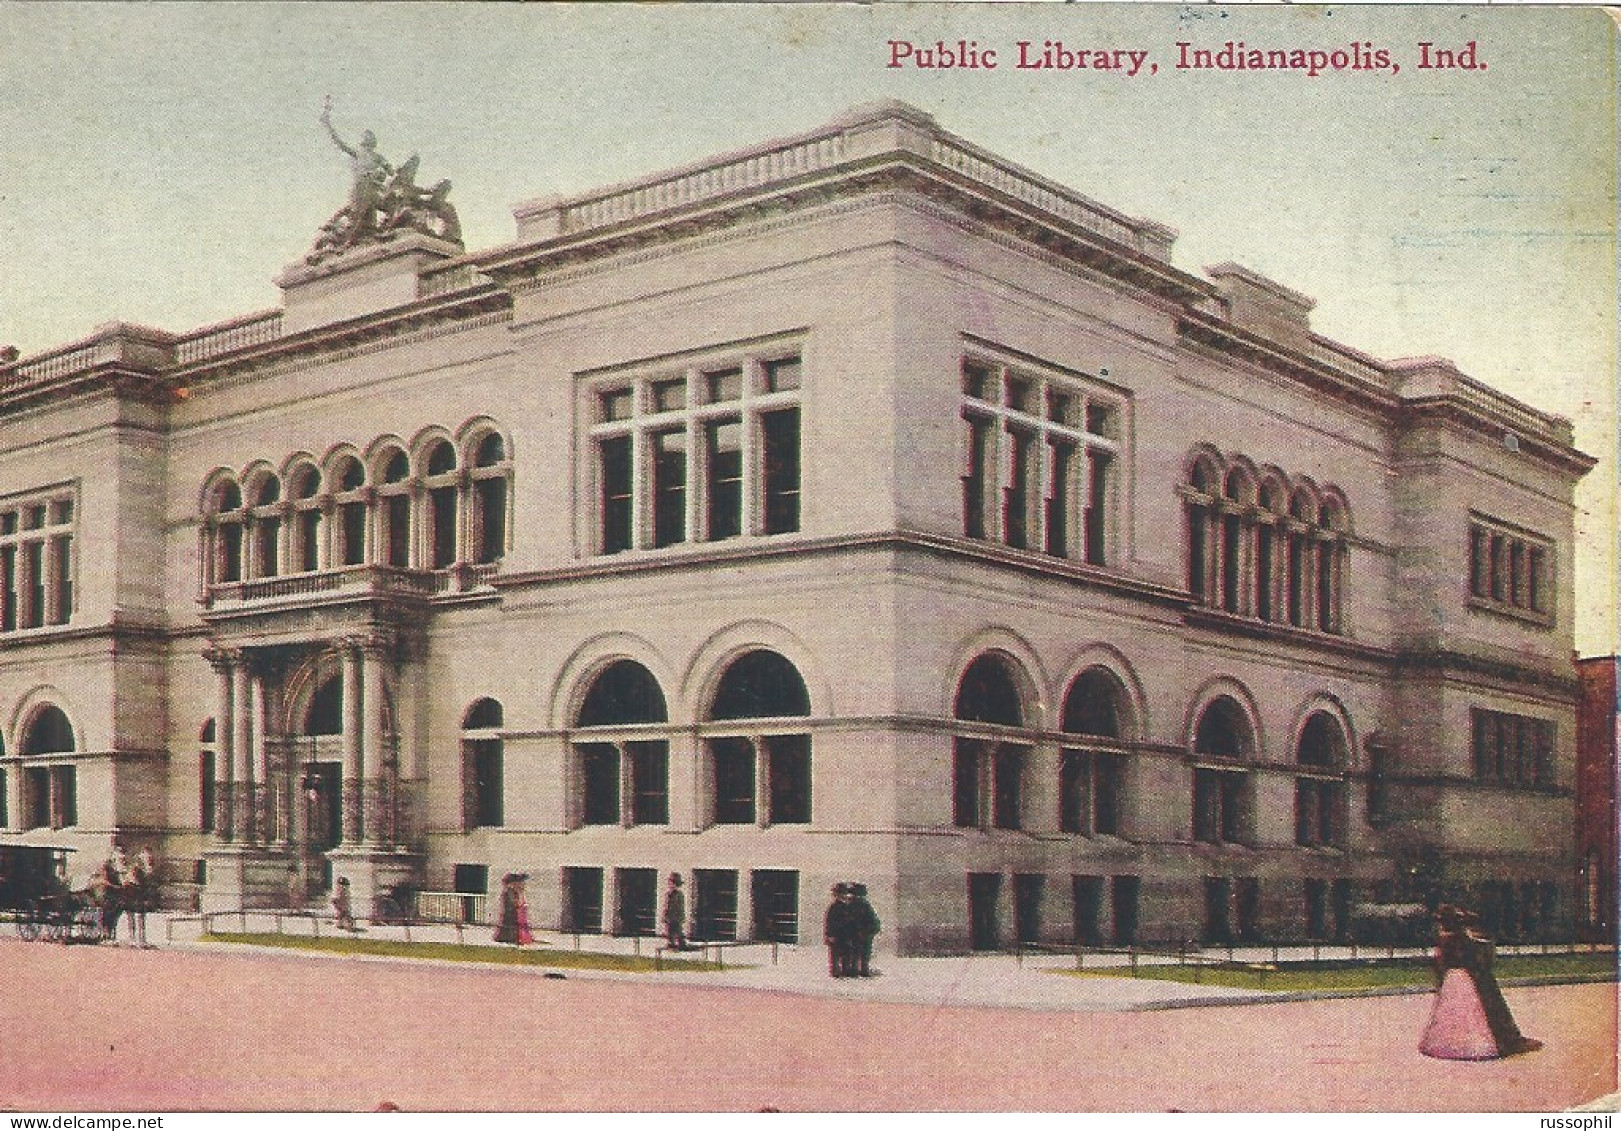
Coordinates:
(988, 980)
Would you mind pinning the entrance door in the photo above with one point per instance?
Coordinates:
(984, 890)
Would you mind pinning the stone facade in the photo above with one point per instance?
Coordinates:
(859, 506)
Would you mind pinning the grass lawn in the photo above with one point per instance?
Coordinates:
(500, 955)
(1375, 974)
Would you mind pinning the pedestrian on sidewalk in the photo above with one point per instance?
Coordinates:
(864, 927)
(506, 926)
(1469, 1020)
(675, 914)
(343, 908)
(838, 931)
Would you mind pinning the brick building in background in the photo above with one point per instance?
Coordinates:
(859, 505)
(1595, 800)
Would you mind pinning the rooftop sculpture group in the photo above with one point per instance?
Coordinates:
(383, 200)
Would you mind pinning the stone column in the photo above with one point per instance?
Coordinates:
(241, 752)
(261, 818)
(352, 753)
(14, 797)
(224, 734)
(373, 756)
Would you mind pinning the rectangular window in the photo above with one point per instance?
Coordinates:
(398, 512)
(967, 760)
(1230, 530)
(669, 486)
(442, 503)
(1509, 569)
(488, 788)
(1512, 750)
(782, 375)
(1325, 587)
(733, 780)
(1007, 770)
(649, 783)
(309, 540)
(352, 525)
(1106, 793)
(1097, 504)
(1019, 493)
(599, 782)
(1263, 572)
(1061, 461)
(724, 446)
(64, 797)
(779, 450)
(1198, 566)
(1087, 893)
(776, 905)
(1032, 473)
(1075, 792)
(584, 910)
(789, 767)
(614, 454)
(62, 569)
(34, 571)
(206, 791)
(714, 917)
(36, 797)
(981, 474)
(638, 890)
(8, 588)
(491, 496)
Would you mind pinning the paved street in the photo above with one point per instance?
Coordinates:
(211, 1028)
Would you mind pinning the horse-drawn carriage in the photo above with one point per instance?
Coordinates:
(42, 899)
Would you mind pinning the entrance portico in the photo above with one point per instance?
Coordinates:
(309, 770)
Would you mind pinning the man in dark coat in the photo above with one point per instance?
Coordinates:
(864, 923)
(675, 914)
(838, 932)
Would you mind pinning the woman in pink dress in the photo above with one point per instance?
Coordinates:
(1470, 1020)
(525, 935)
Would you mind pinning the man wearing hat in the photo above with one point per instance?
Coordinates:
(675, 914)
(864, 925)
(838, 931)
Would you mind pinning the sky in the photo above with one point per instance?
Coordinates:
(165, 162)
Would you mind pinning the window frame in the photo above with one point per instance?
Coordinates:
(726, 493)
(1036, 475)
(1511, 572)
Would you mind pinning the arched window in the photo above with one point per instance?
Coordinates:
(1256, 549)
(265, 526)
(394, 508)
(761, 772)
(1321, 808)
(227, 523)
(988, 772)
(492, 474)
(304, 485)
(442, 486)
(1091, 765)
(1204, 493)
(622, 778)
(483, 801)
(1222, 789)
(207, 776)
(50, 792)
(349, 498)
